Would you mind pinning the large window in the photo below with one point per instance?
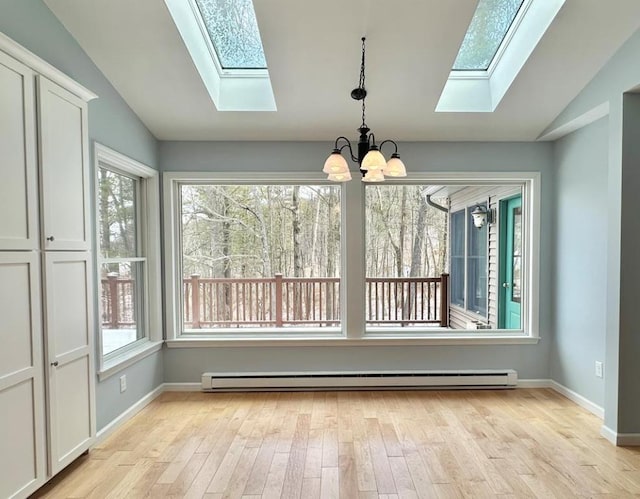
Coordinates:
(122, 262)
(254, 257)
(259, 256)
(406, 257)
(128, 258)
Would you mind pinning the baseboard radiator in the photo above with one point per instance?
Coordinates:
(503, 378)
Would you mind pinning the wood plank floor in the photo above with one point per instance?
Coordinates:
(385, 444)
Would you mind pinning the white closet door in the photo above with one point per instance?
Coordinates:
(63, 168)
(69, 337)
(18, 170)
(22, 419)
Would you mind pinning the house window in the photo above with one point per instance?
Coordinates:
(122, 261)
(128, 258)
(457, 257)
(273, 257)
(257, 257)
(476, 254)
(469, 261)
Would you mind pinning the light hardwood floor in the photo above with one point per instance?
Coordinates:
(385, 444)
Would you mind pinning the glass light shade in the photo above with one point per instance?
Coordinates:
(373, 176)
(335, 163)
(374, 160)
(480, 217)
(395, 168)
(340, 177)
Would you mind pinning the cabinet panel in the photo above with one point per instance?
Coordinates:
(67, 324)
(18, 173)
(72, 412)
(69, 318)
(15, 310)
(22, 418)
(19, 458)
(63, 168)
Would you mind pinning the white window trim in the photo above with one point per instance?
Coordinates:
(353, 274)
(230, 90)
(149, 207)
(482, 91)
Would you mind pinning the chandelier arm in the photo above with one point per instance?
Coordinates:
(348, 145)
(391, 142)
(372, 139)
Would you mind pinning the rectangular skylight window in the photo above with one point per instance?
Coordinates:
(233, 29)
(487, 31)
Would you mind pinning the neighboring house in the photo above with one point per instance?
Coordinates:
(484, 262)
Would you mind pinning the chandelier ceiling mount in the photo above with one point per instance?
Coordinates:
(372, 164)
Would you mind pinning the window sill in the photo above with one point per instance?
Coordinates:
(375, 339)
(121, 362)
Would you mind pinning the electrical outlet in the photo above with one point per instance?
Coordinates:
(599, 370)
(123, 383)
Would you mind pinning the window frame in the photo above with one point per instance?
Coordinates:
(354, 331)
(148, 252)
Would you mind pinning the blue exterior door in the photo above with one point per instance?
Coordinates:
(510, 311)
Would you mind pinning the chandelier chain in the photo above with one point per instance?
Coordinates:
(361, 83)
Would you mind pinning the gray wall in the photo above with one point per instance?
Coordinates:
(580, 248)
(531, 361)
(629, 339)
(111, 120)
(622, 371)
(112, 123)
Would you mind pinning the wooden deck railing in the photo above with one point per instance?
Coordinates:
(289, 301)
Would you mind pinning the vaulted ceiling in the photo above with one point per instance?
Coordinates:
(313, 54)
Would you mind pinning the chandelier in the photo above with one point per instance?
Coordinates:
(372, 164)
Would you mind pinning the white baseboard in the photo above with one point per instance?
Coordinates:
(609, 434)
(128, 414)
(620, 439)
(140, 404)
(577, 398)
(182, 387)
(534, 383)
(563, 390)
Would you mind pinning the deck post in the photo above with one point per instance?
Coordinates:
(113, 298)
(444, 300)
(195, 301)
(278, 292)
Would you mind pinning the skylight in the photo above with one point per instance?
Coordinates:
(223, 40)
(233, 29)
(501, 37)
(488, 29)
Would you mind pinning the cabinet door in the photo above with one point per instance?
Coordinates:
(22, 419)
(62, 121)
(69, 340)
(18, 173)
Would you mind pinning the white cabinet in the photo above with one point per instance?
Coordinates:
(22, 439)
(47, 406)
(62, 125)
(18, 188)
(69, 328)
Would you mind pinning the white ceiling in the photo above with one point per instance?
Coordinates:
(313, 54)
